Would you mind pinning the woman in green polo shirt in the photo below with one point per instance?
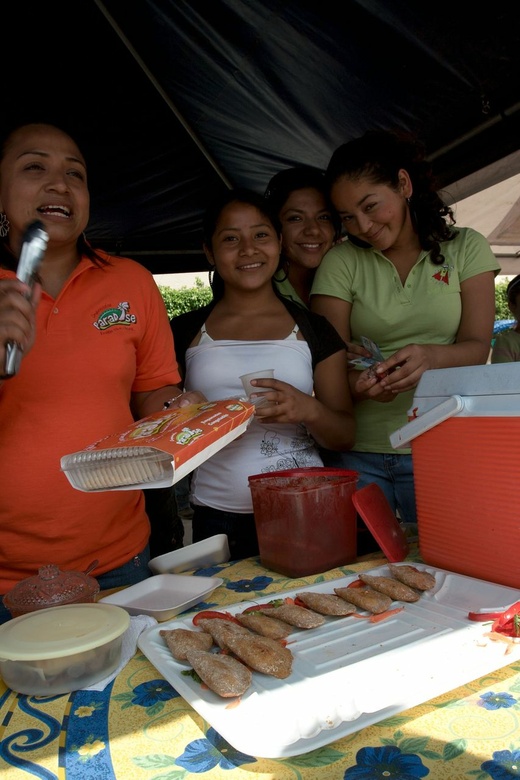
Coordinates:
(408, 279)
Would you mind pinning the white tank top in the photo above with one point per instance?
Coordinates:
(214, 368)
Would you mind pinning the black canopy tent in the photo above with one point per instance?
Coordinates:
(173, 101)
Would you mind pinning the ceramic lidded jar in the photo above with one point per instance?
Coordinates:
(50, 588)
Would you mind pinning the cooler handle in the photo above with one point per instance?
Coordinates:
(402, 436)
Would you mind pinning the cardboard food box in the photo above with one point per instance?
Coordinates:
(160, 449)
(464, 432)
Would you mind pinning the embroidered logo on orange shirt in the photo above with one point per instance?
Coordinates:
(118, 315)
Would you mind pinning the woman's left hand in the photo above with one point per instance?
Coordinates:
(404, 368)
(280, 402)
(355, 351)
(368, 386)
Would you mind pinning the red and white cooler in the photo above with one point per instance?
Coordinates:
(464, 431)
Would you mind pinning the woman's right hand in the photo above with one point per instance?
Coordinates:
(367, 386)
(17, 316)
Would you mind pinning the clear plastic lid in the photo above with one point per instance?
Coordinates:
(56, 633)
(119, 467)
(50, 588)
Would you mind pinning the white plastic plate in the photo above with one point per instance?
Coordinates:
(350, 673)
(208, 552)
(164, 595)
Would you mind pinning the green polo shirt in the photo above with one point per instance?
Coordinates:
(286, 289)
(425, 310)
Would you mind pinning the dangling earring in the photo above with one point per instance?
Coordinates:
(4, 225)
(413, 213)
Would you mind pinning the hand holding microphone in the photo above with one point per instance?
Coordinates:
(33, 249)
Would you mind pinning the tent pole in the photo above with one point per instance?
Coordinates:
(163, 94)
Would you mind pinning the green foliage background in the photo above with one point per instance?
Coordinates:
(185, 298)
(501, 308)
(188, 298)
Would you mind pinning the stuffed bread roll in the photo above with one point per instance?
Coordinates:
(260, 653)
(223, 674)
(181, 640)
(264, 624)
(300, 617)
(414, 578)
(220, 629)
(365, 598)
(326, 603)
(397, 591)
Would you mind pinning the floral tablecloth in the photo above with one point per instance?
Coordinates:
(140, 728)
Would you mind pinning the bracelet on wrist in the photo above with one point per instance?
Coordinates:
(168, 403)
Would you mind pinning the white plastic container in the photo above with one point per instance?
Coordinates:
(61, 649)
(199, 555)
(163, 596)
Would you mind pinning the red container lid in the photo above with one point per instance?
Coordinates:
(372, 505)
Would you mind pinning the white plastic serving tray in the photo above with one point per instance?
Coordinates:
(164, 595)
(350, 673)
(208, 552)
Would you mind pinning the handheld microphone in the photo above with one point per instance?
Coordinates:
(33, 249)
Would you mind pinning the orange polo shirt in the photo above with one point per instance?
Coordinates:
(105, 336)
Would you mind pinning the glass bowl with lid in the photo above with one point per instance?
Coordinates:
(51, 587)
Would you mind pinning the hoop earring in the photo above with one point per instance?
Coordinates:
(4, 225)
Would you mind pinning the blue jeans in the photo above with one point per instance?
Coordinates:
(135, 570)
(393, 473)
(129, 573)
(240, 529)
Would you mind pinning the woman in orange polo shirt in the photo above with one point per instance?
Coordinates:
(85, 373)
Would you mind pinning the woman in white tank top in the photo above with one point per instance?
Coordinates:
(247, 327)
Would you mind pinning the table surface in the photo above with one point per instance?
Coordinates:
(139, 727)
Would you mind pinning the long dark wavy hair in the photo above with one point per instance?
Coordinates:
(7, 258)
(379, 155)
(212, 214)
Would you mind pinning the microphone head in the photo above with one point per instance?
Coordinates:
(34, 230)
